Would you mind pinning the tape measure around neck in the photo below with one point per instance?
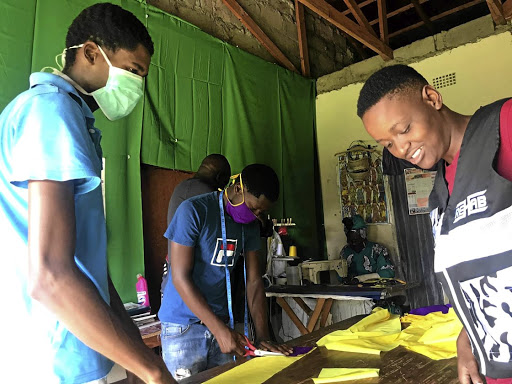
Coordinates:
(226, 268)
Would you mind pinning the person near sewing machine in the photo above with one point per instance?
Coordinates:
(196, 312)
(365, 259)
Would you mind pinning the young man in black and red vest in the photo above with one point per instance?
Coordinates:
(471, 205)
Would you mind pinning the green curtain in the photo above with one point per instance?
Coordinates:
(202, 96)
(17, 21)
(205, 96)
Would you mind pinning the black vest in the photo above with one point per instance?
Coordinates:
(473, 236)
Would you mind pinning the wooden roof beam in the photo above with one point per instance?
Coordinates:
(264, 40)
(496, 9)
(361, 5)
(437, 17)
(398, 11)
(424, 17)
(331, 14)
(359, 16)
(303, 41)
(383, 21)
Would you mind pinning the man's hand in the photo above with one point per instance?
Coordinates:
(231, 341)
(467, 366)
(267, 345)
(163, 376)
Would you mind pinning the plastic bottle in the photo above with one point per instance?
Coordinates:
(142, 290)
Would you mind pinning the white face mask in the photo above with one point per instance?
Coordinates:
(121, 93)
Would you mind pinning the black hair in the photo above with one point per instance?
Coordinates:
(260, 179)
(386, 81)
(214, 170)
(216, 161)
(109, 26)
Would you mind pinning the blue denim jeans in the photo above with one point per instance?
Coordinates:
(190, 349)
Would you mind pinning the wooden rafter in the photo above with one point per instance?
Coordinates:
(507, 9)
(331, 14)
(361, 5)
(251, 25)
(383, 21)
(359, 16)
(436, 17)
(496, 9)
(398, 11)
(424, 17)
(303, 41)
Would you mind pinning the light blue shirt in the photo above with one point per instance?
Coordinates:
(46, 134)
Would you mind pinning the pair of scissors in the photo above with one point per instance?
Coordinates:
(251, 350)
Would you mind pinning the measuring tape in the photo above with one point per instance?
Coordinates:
(228, 276)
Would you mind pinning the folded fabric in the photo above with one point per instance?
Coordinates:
(434, 335)
(255, 371)
(377, 332)
(335, 375)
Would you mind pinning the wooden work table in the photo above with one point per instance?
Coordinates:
(324, 296)
(398, 366)
(313, 290)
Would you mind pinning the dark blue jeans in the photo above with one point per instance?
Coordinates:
(190, 349)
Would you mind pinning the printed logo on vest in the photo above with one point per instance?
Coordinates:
(218, 258)
(474, 203)
(437, 220)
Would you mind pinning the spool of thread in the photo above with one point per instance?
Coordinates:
(293, 251)
(279, 250)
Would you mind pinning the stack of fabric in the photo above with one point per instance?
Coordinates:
(377, 332)
(434, 335)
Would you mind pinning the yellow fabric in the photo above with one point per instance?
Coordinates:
(335, 375)
(255, 371)
(434, 335)
(377, 332)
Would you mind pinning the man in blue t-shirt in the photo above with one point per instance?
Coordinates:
(54, 264)
(194, 311)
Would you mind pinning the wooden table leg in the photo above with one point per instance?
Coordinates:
(303, 305)
(316, 314)
(325, 312)
(289, 311)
